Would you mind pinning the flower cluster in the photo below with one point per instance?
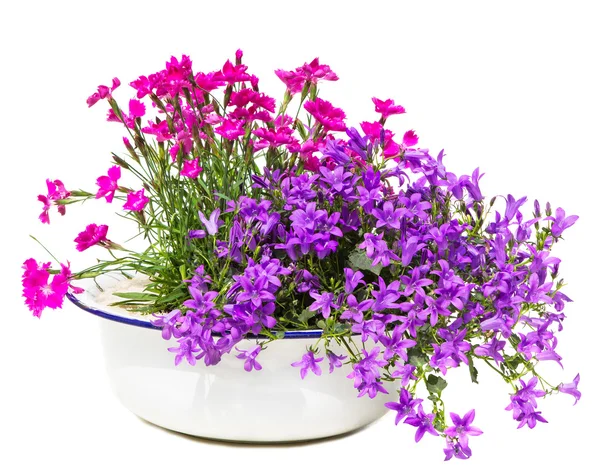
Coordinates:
(262, 222)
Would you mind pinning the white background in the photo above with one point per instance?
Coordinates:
(511, 87)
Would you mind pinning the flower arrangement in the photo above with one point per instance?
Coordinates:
(260, 222)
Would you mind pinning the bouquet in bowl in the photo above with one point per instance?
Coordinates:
(263, 218)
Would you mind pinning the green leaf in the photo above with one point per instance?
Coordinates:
(137, 296)
(416, 358)
(435, 384)
(280, 334)
(473, 371)
(359, 260)
(321, 324)
(306, 315)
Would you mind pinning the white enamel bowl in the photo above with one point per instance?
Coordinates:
(224, 401)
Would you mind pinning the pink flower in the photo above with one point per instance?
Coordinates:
(38, 292)
(387, 108)
(230, 129)
(410, 139)
(273, 138)
(191, 169)
(136, 201)
(315, 71)
(232, 74)
(92, 235)
(103, 92)
(108, 183)
(331, 117)
(136, 108)
(56, 191)
(208, 82)
(309, 72)
(293, 80)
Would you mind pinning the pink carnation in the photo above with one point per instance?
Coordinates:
(136, 201)
(273, 138)
(230, 129)
(331, 117)
(191, 169)
(92, 235)
(387, 108)
(103, 92)
(40, 294)
(108, 183)
(410, 139)
(56, 191)
(310, 72)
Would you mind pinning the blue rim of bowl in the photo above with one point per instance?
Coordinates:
(299, 334)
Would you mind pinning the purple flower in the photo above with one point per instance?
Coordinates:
(462, 428)
(213, 223)
(571, 388)
(512, 206)
(388, 217)
(185, 350)
(523, 404)
(335, 361)
(307, 219)
(255, 292)
(353, 279)
(355, 309)
(562, 222)
(307, 363)
(250, 358)
(386, 296)
(323, 302)
(491, 349)
(410, 248)
(197, 234)
(366, 374)
(454, 449)
(405, 405)
(372, 242)
(405, 373)
(396, 344)
(372, 328)
(423, 422)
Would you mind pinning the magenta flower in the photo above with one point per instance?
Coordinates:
(38, 292)
(273, 138)
(92, 235)
(410, 139)
(108, 183)
(136, 201)
(136, 109)
(230, 129)
(191, 169)
(103, 92)
(307, 363)
(387, 108)
(294, 81)
(56, 191)
(332, 118)
(310, 72)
